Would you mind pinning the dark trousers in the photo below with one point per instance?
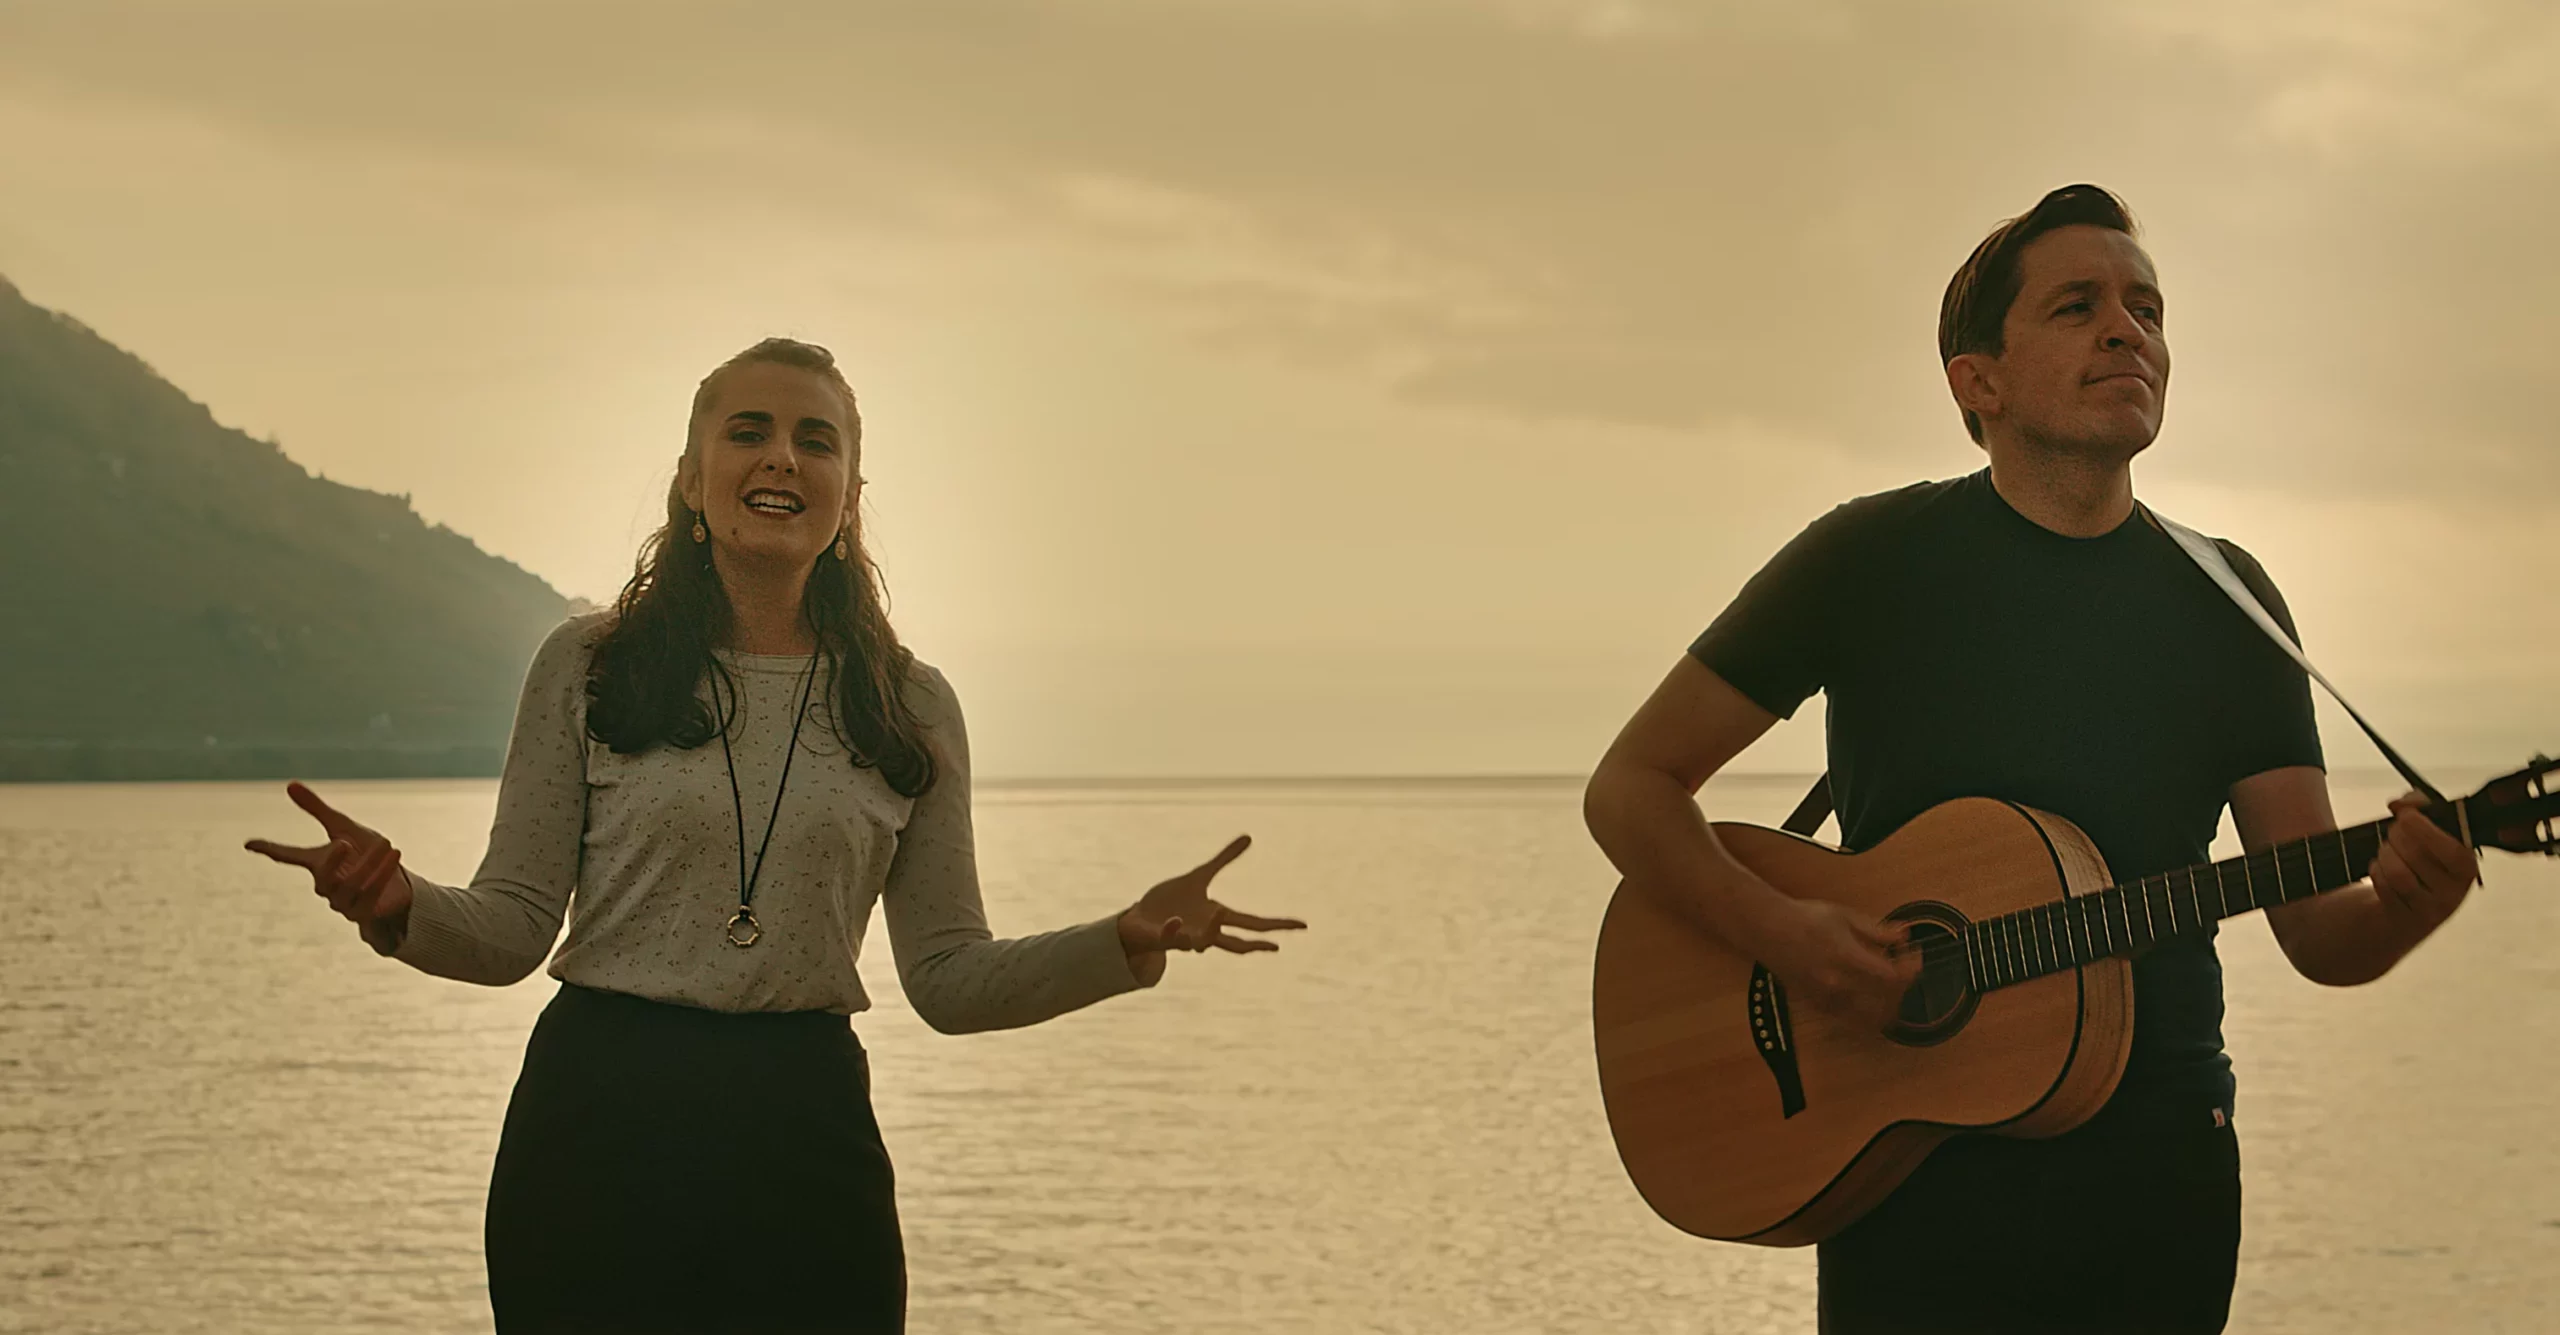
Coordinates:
(665, 1168)
(2129, 1222)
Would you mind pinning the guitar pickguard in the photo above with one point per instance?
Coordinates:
(1775, 1036)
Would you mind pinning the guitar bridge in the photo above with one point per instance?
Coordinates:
(1775, 1037)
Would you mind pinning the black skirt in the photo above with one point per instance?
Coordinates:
(665, 1168)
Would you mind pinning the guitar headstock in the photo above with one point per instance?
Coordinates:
(2519, 812)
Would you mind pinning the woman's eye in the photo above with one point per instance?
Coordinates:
(813, 443)
(746, 435)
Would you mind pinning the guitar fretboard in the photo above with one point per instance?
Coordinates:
(2124, 919)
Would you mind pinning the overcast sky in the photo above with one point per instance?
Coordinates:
(1324, 386)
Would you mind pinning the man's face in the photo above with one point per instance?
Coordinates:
(2085, 367)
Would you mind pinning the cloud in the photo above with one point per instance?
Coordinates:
(1562, 210)
(2411, 78)
(1458, 329)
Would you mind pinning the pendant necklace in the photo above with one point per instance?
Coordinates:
(743, 929)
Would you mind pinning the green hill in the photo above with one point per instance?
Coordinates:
(179, 600)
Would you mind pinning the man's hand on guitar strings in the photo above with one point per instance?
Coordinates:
(2422, 874)
(1840, 961)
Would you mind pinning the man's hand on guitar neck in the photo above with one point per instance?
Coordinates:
(2422, 874)
(2357, 934)
(1834, 958)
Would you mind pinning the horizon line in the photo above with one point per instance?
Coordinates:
(1453, 777)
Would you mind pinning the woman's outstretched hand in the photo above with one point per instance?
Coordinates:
(357, 871)
(1179, 915)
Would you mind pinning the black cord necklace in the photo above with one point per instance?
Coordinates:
(743, 929)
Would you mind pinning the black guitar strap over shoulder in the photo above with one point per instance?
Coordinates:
(2206, 553)
(1813, 810)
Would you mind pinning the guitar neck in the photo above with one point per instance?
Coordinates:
(2126, 919)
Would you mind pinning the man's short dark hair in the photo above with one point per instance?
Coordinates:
(1976, 307)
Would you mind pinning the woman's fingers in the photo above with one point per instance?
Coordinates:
(1207, 928)
(350, 860)
(288, 853)
(1231, 918)
(350, 871)
(386, 875)
(325, 873)
(1234, 849)
(350, 888)
(331, 819)
(364, 904)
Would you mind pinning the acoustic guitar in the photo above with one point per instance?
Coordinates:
(1744, 1120)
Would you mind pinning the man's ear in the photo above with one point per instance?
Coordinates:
(1974, 379)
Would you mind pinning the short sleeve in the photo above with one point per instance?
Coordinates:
(1780, 640)
(2273, 725)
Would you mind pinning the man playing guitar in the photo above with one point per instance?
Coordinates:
(2024, 633)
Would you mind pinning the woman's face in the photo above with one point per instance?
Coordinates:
(773, 473)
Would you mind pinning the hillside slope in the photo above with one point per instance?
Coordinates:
(178, 599)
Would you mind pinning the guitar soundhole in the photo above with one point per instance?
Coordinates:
(1936, 1007)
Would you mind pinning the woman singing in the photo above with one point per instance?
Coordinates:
(712, 783)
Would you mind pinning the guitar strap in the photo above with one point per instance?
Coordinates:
(2206, 553)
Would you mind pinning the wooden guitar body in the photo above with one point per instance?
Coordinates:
(1742, 1118)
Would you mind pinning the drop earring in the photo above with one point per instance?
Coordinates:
(700, 534)
(844, 550)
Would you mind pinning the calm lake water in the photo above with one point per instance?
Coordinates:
(219, 1112)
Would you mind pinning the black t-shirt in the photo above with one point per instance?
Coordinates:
(1967, 651)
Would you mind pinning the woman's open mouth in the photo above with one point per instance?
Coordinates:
(773, 501)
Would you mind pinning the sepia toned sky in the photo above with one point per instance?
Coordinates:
(1342, 386)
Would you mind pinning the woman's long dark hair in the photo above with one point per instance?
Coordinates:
(643, 686)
